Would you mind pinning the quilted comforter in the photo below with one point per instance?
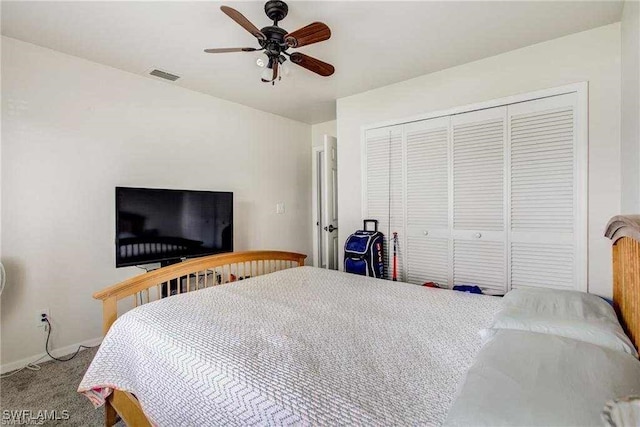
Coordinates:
(303, 346)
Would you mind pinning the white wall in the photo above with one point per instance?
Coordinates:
(72, 131)
(319, 130)
(592, 56)
(630, 167)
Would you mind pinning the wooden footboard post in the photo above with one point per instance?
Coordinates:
(109, 313)
(110, 414)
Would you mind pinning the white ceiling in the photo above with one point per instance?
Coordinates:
(373, 43)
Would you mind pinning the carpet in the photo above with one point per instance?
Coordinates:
(53, 387)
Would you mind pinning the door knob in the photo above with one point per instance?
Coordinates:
(478, 235)
(330, 228)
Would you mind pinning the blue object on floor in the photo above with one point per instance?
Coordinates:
(472, 289)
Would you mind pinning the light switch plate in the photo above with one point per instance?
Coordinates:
(280, 208)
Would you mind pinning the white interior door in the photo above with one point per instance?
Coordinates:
(384, 189)
(478, 188)
(546, 221)
(330, 203)
(427, 196)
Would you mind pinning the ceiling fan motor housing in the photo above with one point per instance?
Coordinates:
(274, 42)
(276, 10)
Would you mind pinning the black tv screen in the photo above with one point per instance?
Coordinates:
(154, 225)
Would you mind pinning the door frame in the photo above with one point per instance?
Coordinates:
(316, 216)
(330, 203)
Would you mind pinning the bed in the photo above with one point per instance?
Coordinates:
(297, 346)
(328, 348)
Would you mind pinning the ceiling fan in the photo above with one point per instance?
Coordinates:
(275, 42)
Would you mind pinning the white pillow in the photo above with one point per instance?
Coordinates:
(561, 303)
(570, 314)
(529, 379)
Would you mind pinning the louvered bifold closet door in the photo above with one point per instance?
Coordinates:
(384, 186)
(544, 193)
(428, 231)
(478, 176)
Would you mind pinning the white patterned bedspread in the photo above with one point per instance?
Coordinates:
(303, 346)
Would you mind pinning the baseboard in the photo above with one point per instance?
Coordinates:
(58, 352)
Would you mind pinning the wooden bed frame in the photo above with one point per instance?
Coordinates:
(186, 276)
(624, 231)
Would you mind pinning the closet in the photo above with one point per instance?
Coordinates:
(494, 197)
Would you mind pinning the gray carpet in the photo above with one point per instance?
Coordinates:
(53, 387)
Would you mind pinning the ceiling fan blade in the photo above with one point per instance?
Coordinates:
(312, 64)
(231, 49)
(312, 33)
(244, 22)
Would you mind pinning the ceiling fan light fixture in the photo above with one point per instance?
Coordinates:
(284, 70)
(273, 71)
(267, 74)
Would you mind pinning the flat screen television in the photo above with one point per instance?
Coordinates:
(155, 225)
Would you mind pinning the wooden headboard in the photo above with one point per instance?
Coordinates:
(624, 232)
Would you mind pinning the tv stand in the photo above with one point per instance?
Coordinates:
(187, 282)
(171, 262)
(173, 284)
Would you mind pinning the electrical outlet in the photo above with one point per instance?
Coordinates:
(40, 314)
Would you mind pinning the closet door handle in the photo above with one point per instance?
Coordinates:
(425, 232)
(478, 235)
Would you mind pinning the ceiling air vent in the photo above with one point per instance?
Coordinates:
(164, 75)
